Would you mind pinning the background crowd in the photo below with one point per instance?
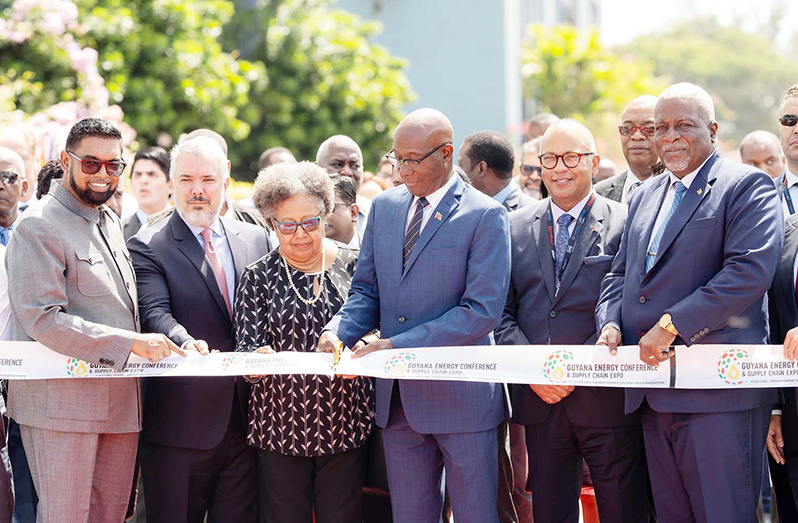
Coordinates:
(544, 245)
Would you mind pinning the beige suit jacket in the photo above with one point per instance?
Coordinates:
(72, 288)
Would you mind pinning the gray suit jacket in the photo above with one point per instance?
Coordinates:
(612, 188)
(77, 297)
(130, 226)
(517, 200)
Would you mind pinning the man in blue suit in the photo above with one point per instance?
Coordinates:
(697, 256)
(433, 271)
(551, 301)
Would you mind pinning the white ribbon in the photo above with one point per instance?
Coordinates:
(695, 367)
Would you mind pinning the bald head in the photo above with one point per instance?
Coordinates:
(646, 103)
(424, 134)
(694, 95)
(568, 177)
(11, 161)
(762, 149)
(23, 142)
(578, 133)
(12, 186)
(341, 155)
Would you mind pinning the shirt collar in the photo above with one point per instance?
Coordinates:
(216, 227)
(574, 211)
(435, 198)
(792, 179)
(13, 225)
(71, 202)
(142, 216)
(502, 195)
(687, 180)
(229, 207)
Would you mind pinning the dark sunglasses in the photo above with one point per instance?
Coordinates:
(530, 169)
(114, 168)
(629, 130)
(789, 120)
(9, 177)
(289, 228)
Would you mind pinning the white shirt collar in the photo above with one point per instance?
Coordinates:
(216, 227)
(142, 217)
(792, 179)
(229, 207)
(687, 179)
(574, 211)
(435, 198)
(502, 195)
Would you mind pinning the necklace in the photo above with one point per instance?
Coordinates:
(321, 279)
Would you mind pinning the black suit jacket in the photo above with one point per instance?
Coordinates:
(783, 317)
(531, 300)
(179, 297)
(130, 226)
(612, 188)
(517, 199)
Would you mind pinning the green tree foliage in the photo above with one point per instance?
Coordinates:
(325, 77)
(747, 74)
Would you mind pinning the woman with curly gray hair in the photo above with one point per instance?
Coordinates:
(310, 430)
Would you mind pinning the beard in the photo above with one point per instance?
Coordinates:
(89, 196)
(198, 216)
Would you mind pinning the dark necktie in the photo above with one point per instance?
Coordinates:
(560, 245)
(632, 189)
(414, 230)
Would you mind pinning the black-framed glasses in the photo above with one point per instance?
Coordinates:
(9, 177)
(569, 159)
(529, 170)
(290, 228)
(629, 130)
(114, 168)
(789, 120)
(412, 162)
(336, 204)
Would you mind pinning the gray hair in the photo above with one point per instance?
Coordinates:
(339, 139)
(760, 137)
(692, 93)
(281, 181)
(205, 147)
(532, 146)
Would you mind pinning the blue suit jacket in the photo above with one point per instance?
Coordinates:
(715, 264)
(451, 294)
(534, 313)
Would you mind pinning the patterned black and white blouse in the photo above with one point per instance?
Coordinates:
(298, 414)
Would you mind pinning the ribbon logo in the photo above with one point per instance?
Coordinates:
(730, 366)
(554, 366)
(76, 367)
(397, 364)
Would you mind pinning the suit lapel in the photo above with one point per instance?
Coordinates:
(647, 215)
(238, 247)
(512, 200)
(700, 187)
(439, 216)
(588, 235)
(399, 225)
(617, 187)
(540, 234)
(188, 244)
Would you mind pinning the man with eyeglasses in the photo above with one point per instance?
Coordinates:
(13, 187)
(637, 143)
(341, 155)
(529, 170)
(433, 271)
(79, 298)
(788, 136)
(698, 254)
(195, 460)
(554, 286)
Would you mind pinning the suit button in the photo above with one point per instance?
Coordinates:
(127, 284)
(110, 363)
(553, 314)
(402, 319)
(642, 299)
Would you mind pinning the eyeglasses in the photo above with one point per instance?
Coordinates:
(629, 130)
(9, 177)
(529, 170)
(336, 204)
(789, 120)
(570, 160)
(414, 163)
(114, 168)
(290, 228)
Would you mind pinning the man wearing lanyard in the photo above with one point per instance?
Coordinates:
(788, 118)
(561, 250)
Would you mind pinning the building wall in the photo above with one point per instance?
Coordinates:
(464, 57)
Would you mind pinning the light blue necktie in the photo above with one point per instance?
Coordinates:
(651, 254)
(4, 236)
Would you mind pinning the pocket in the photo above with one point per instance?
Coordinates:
(598, 260)
(78, 399)
(93, 276)
(701, 222)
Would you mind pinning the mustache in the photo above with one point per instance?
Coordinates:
(671, 147)
(198, 199)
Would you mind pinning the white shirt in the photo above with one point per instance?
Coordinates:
(502, 195)
(792, 186)
(142, 217)
(433, 199)
(687, 180)
(223, 251)
(631, 179)
(556, 212)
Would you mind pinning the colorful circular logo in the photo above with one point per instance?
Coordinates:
(76, 367)
(397, 364)
(229, 362)
(554, 366)
(729, 366)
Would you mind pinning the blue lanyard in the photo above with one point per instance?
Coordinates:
(572, 240)
(786, 192)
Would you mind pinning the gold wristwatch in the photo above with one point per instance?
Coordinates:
(666, 323)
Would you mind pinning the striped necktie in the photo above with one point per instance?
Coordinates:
(651, 255)
(414, 230)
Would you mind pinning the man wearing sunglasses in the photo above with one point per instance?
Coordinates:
(13, 187)
(79, 298)
(637, 142)
(788, 135)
